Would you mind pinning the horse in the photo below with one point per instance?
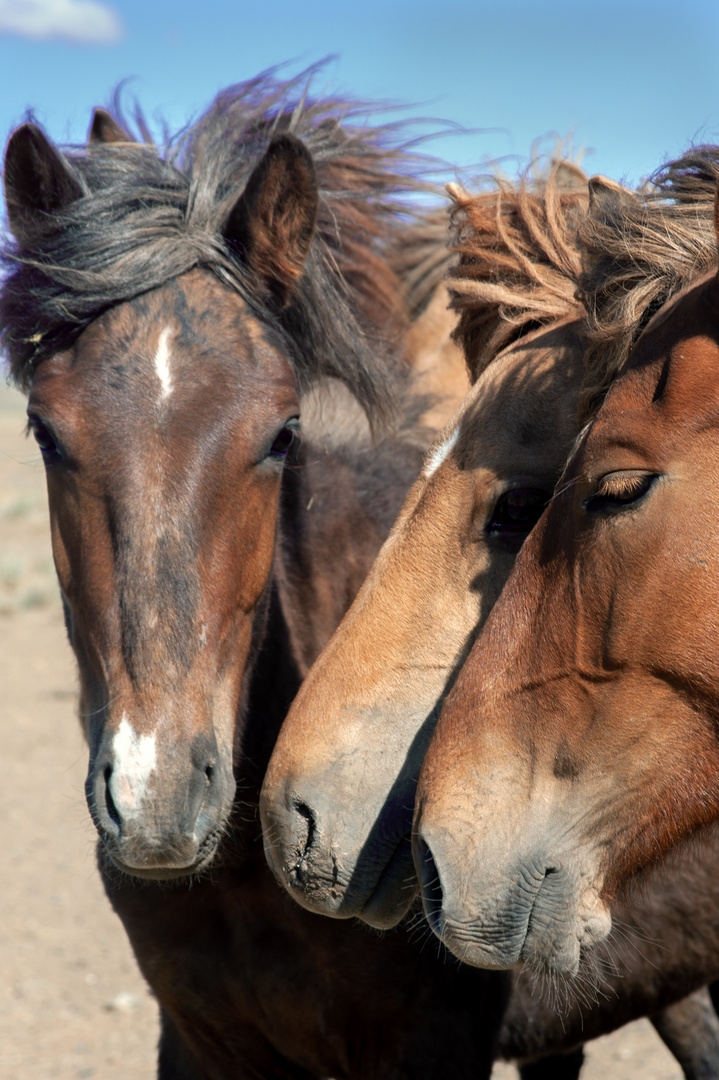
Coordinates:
(170, 317)
(585, 712)
(365, 712)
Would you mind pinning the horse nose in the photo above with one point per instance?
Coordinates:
(153, 813)
(290, 832)
(297, 828)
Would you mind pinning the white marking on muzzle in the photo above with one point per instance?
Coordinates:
(441, 453)
(135, 759)
(162, 363)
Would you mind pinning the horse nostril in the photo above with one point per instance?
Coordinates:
(431, 887)
(303, 846)
(209, 773)
(112, 810)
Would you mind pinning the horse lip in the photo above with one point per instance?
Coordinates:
(205, 855)
(391, 897)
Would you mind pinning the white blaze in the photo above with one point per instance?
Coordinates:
(441, 453)
(135, 758)
(162, 363)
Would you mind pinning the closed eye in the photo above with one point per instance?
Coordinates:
(619, 489)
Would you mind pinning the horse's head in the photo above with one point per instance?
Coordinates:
(363, 717)
(163, 427)
(580, 740)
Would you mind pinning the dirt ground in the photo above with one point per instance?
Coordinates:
(72, 1002)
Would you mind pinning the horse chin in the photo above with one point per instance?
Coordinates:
(163, 871)
(543, 938)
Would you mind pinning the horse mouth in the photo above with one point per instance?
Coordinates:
(159, 872)
(395, 891)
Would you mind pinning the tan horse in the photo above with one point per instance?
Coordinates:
(365, 712)
(584, 722)
(440, 572)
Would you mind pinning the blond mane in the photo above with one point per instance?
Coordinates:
(640, 249)
(519, 261)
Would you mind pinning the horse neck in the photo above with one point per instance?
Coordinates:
(319, 563)
(338, 503)
(273, 682)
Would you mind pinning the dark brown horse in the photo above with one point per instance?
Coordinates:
(171, 317)
(367, 708)
(584, 721)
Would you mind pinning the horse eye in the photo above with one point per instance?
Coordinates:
(45, 440)
(516, 513)
(285, 438)
(617, 490)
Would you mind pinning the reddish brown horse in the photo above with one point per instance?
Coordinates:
(171, 316)
(363, 715)
(584, 722)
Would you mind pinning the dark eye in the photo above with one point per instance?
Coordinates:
(44, 438)
(619, 489)
(515, 514)
(285, 438)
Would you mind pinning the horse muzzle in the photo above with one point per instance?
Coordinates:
(537, 910)
(160, 810)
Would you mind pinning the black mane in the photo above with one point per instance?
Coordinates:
(148, 215)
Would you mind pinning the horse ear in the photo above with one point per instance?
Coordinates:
(569, 176)
(38, 181)
(104, 128)
(273, 221)
(607, 200)
(606, 197)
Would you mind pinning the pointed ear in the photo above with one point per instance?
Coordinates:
(272, 223)
(607, 201)
(104, 128)
(606, 197)
(570, 176)
(38, 182)
(716, 212)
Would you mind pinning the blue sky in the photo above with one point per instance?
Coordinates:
(634, 81)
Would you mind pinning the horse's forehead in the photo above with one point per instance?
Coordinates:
(525, 400)
(202, 316)
(669, 394)
(190, 336)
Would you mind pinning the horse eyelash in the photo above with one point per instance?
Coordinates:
(620, 487)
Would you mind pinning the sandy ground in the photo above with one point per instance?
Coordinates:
(72, 1003)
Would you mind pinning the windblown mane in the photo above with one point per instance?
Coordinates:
(640, 250)
(518, 259)
(423, 258)
(149, 215)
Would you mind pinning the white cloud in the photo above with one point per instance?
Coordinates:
(85, 22)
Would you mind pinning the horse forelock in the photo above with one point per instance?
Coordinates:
(518, 260)
(640, 254)
(150, 215)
